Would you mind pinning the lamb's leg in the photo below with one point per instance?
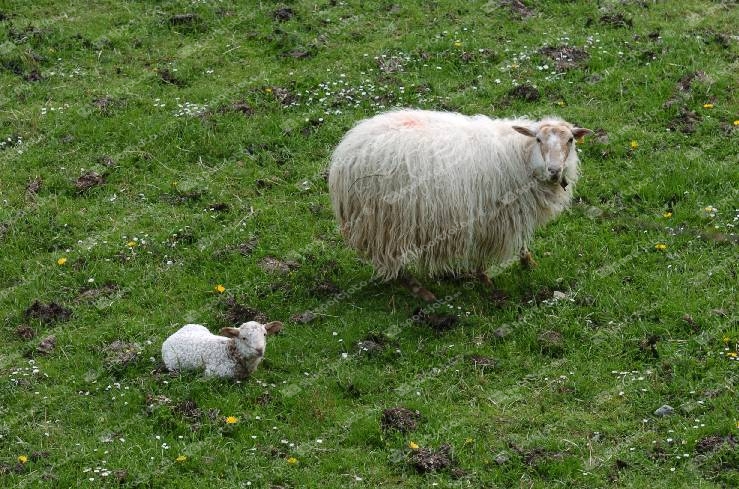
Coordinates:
(527, 260)
(409, 282)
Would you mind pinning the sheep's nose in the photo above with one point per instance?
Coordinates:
(554, 174)
(260, 351)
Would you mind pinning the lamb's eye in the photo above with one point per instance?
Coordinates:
(538, 140)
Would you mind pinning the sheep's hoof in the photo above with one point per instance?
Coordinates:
(527, 260)
(416, 288)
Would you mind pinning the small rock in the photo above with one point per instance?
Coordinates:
(558, 295)
(665, 410)
(501, 332)
(502, 458)
(304, 317)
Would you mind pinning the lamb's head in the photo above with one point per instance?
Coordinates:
(251, 338)
(554, 157)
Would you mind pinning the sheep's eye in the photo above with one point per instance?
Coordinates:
(538, 140)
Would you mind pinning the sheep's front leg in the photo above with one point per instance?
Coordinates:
(409, 282)
(527, 259)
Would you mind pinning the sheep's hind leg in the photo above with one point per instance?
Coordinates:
(527, 259)
(411, 283)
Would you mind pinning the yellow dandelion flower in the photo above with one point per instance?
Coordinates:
(561, 103)
(292, 460)
(268, 89)
(457, 44)
(22, 459)
(412, 445)
(737, 424)
(667, 214)
(220, 289)
(732, 354)
(131, 244)
(736, 122)
(61, 261)
(634, 144)
(660, 247)
(181, 458)
(708, 106)
(726, 339)
(467, 441)
(232, 420)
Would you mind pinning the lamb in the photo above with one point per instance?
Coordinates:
(443, 192)
(235, 354)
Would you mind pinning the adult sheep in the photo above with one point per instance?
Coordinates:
(443, 193)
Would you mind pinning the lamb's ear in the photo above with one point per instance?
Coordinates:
(273, 327)
(525, 131)
(580, 132)
(230, 332)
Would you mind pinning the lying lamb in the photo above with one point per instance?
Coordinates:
(236, 354)
(448, 193)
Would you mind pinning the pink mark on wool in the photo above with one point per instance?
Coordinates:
(410, 122)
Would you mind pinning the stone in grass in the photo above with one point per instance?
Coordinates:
(665, 410)
(400, 419)
(47, 345)
(304, 317)
(502, 458)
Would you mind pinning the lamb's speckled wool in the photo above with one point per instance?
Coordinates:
(444, 192)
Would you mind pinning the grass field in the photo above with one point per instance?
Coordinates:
(152, 152)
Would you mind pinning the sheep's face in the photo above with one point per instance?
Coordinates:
(554, 157)
(251, 337)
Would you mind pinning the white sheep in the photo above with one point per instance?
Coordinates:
(448, 193)
(236, 354)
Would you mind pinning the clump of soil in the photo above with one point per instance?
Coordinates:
(239, 107)
(437, 322)
(219, 207)
(33, 76)
(372, 343)
(551, 342)
(188, 409)
(565, 57)
(89, 180)
(685, 122)
(271, 264)
(324, 288)
(237, 314)
(184, 19)
(47, 313)
(283, 14)
(427, 460)
(517, 7)
(284, 96)
(248, 247)
(525, 92)
(169, 78)
(34, 186)
(25, 332)
(616, 20)
(712, 443)
(399, 419)
(47, 345)
(120, 353)
(481, 361)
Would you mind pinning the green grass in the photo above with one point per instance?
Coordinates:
(570, 397)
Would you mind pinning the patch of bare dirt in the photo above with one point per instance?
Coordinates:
(517, 7)
(237, 314)
(399, 419)
(428, 460)
(33, 187)
(325, 288)
(184, 19)
(437, 322)
(271, 264)
(525, 92)
(46, 345)
(240, 107)
(481, 361)
(219, 207)
(33, 76)
(551, 342)
(89, 180)
(283, 95)
(685, 122)
(188, 409)
(25, 332)
(166, 76)
(283, 14)
(120, 353)
(565, 57)
(617, 20)
(712, 443)
(47, 313)
(93, 293)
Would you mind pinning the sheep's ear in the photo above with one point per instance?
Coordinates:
(580, 132)
(273, 327)
(525, 131)
(230, 332)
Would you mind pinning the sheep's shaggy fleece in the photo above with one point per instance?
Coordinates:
(443, 192)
